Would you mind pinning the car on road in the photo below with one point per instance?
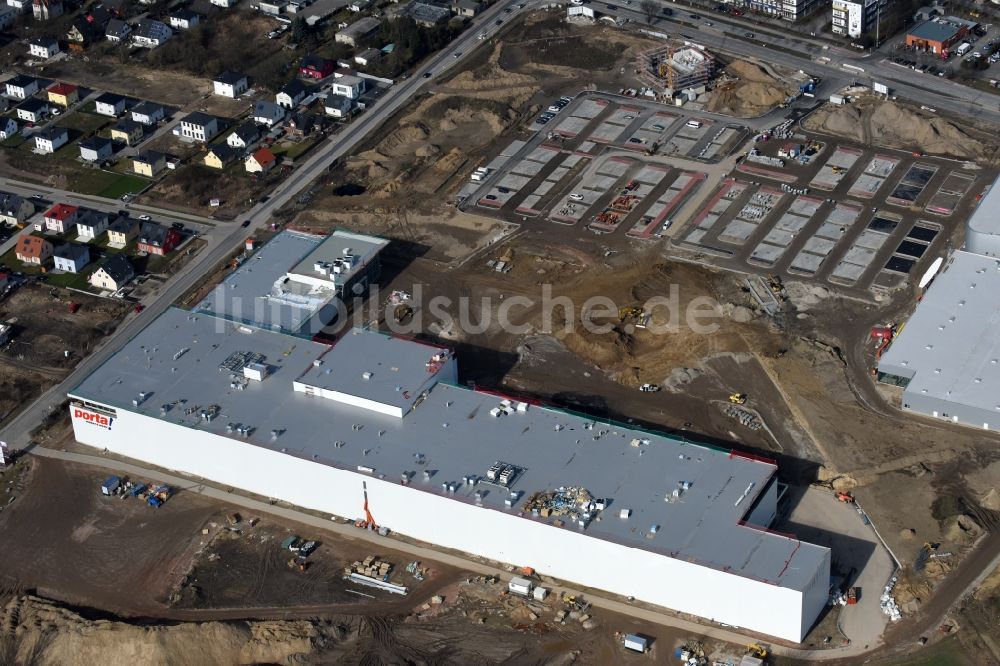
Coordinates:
(456, 55)
(576, 196)
(498, 22)
(667, 11)
(145, 218)
(694, 16)
(178, 225)
(482, 35)
(36, 196)
(490, 197)
(427, 75)
(708, 24)
(509, 9)
(658, 128)
(748, 35)
(246, 223)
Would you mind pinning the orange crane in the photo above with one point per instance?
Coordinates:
(368, 522)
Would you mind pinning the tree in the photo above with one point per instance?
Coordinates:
(300, 30)
(649, 8)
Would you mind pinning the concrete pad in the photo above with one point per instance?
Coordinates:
(872, 240)
(738, 232)
(590, 108)
(805, 206)
(766, 253)
(708, 221)
(791, 223)
(860, 256)
(821, 246)
(695, 236)
(830, 230)
(848, 272)
(866, 186)
(845, 215)
(779, 237)
(515, 146)
(527, 168)
(806, 262)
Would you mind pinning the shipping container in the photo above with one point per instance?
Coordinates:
(520, 586)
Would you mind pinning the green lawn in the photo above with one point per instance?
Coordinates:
(294, 150)
(123, 184)
(14, 141)
(83, 122)
(75, 280)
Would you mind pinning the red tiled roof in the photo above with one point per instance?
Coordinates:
(60, 211)
(62, 88)
(264, 157)
(31, 246)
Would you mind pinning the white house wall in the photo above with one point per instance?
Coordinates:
(422, 512)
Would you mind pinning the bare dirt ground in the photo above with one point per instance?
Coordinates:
(191, 187)
(44, 329)
(883, 123)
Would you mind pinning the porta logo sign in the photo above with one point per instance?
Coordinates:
(95, 418)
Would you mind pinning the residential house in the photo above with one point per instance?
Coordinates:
(20, 6)
(261, 161)
(225, 4)
(359, 5)
(338, 106)
(149, 34)
(348, 85)
(230, 84)
(113, 274)
(43, 10)
(466, 8)
(110, 104)
(50, 139)
(60, 218)
(220, 155)
(244, 136)
(96, 149)
(425, 14)
(184, 19)
(33, 250)
(200, 126)
(315, 67)
(157, 239)
(21, 86)
(268, 113)
(358, 31)
(8, 128)
(71, 257)
(8, 16)
(33, 110)
(88, 29)
(43, 47)
(128, 131)
(117, 31)
(149, 163)
(91, 224)
(272, 7)
(148, 113)
(367, 57)
(291, 94)
(15, 209)
(122, 231)
(302, 124)
(63, 94)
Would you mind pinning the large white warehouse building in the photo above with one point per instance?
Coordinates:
(669, 522)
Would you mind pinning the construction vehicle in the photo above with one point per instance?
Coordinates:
(630, 312)
(845, 497)
(368, 522)
(738, 398)
(402, 313)
(158, 495)
(757, 650)
(852, 596)
(73, 307)
(838, 169)
(883, 336)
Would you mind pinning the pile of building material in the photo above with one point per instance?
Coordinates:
(746, 418)
(573, 503)
(888, 603)
(371, 567)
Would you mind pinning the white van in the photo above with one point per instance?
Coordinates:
(694, 124)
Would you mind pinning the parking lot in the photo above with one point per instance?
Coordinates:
(977, 62)
(866, 221)
(603, 163)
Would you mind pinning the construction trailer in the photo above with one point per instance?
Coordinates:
(384, 417)
(520, 586)
(636, 643)
(111, 485)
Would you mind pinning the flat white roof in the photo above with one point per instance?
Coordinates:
(950, 345)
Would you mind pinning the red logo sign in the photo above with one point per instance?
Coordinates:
(93, 417)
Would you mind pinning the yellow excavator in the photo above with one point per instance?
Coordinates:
(738, 398)
(757, 650)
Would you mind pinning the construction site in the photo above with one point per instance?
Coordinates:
(676, 69)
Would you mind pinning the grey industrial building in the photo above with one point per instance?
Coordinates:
(982, 231)
(947, 357)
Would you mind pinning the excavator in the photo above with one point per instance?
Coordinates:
(757, 650)
(738, 398)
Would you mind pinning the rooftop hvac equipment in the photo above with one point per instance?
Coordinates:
(255, 371)
(503, 474)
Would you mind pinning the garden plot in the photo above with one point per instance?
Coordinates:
(684, 141)
(950, 194)
(833, 172)
(751, 216)
(774, 245)
(686, 184)
(530, 205)
(912, 185)
(873, 177)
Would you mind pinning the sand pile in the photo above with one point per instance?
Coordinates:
(753, 93)
(45, 634)
(895, 126)
(962, 529)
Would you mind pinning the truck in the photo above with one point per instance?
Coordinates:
(963, 48)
